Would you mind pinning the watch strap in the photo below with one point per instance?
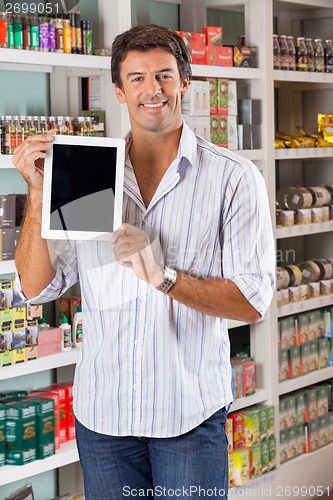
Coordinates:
(169, 279)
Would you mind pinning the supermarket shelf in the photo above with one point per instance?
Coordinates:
(23, 60)
(302, 76)
(199, 70)
(305, 380)
(303, 153)
(40, 364)
(305, 305)
(304, 229)
(6, 161)
(259, 396)
(251, 154)
(67, 454)
(235, 324)
(7, 267)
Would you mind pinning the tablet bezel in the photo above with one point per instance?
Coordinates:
(55, 234)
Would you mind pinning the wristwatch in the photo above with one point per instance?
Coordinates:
(169, 279)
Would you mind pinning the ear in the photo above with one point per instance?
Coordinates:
(184, 86)
(120, 94)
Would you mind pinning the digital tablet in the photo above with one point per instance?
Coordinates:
(83, 188)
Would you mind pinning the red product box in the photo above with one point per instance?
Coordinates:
(219, 56)
(66, 391)
(196, 44)
(63, 413)
(213, 35)
(49, 341)
(238, 429)
(47, 392)
(249, 377)
(222, 96)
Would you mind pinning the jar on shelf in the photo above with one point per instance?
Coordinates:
(10, 27)
(292, 53)
(3, 30)
(301, 54)
(328, 55)
(44, 34)
(26, 32)
(67, 36)
(310, 50)
(284, 52)
(276, 53)
(319, 60)
(52, 35)
(86, 37)
(18, 32)
(59, 35)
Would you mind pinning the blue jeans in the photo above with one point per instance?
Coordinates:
(193, 465)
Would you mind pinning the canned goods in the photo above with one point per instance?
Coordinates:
(295, 275)
(310, 271)
(326, 270)
(282, 278)
(321, 196)
(293, 198)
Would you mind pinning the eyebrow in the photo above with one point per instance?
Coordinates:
(138, 73)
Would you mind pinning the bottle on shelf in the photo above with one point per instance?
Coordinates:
(319, 61)
(301, 54)
(69, 125)
(87, 37)
(31, 126)
(292, 53)
(77, 333)
(276, 53)
(35, 120)
(328, 55)
(18, 32)
(6, 135)
(3, 30)
(52, 35)
(61, 126)
(34, 33)
(26, 32)
(310, 50)
(66, 339)
(42, 124)
(42, 325)
(284, 53)
(10, 27)
(79, 128)
(67, 36)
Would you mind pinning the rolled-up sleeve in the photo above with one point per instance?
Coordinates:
(248, 250)
(65, 262)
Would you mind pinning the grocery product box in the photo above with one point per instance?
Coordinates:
(238, 429)
(6, 358)
(311, 402)
(21, 433)
(283, 365)
(292, 443)
(6, 293)
(213, 35)
(241, 466)
(294, 362)
(312, 435)
(200, 125)
(284, 446)
(45, 426)
(34, 311)
(255, 460)
(283, 414)
(18, 355)
(219, 56)
(323, 431)
(245, 57)
(196, 101)
(272, 452)
(222, 96)
(219, 130)
(7, 210)
(232, 98)
(264, 453)
(300, 408)
(251, 427)
(301, 439)
(229, 433)
(196, 44)
(231, 470)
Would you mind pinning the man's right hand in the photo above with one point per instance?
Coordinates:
(29, 159)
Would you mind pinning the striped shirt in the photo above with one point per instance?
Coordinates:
(149, 365)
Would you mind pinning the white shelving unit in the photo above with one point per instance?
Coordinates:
(305, 305)
(7, 267)
(309, 379)
(304, 229)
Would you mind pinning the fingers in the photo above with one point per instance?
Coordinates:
(126, 229)
(33, 148)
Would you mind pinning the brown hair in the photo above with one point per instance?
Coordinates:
(147, 37)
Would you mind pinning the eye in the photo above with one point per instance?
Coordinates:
(164, 77)
(137, 79)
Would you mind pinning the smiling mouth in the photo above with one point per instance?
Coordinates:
(156, 105)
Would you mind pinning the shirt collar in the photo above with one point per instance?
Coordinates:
(187, 145)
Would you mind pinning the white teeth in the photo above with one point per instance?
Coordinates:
(159, 105)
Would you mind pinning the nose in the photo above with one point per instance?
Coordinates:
(153, 87)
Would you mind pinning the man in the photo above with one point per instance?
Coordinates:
(153, 382)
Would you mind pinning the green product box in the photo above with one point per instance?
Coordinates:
(292, 331)
(45, 450)
(295, 362)
(311, 404)
(284, 447)
(255, 460)
(263, 417)
(2, 435)
(272, 452)
(264, 452)
(330, 426)
(13, 394)
(324, 349)
(300, 408)
(322, 399)
(323, 431)
(316, 326)
(292, 443)
(283, 365)
(305, 358)
(301, 439)
(291, 409)
(283, 414)
(21, 431)
(213, 95)
(303, 328)
(45, 420)
(222, 96)
(314, 355)
(6, 318)
(270, 420)
(6, 358)
(21, 457)
(312, 435)
(285, 341)
(251, 427)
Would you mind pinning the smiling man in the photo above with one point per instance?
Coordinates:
(152, 385)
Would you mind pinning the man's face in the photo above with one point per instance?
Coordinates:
(152, 90)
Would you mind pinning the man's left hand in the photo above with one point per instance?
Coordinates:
(132, 248)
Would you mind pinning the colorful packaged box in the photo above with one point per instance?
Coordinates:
(314, 363)
(213, 95)
(283, 414)
(222, 96)
(219, 130)
(245, 57)
(6, 319)
(237, 375)
(47, 392)
(263, 429)
(322, 399)
(21, 433)
(229, 433)
(283, 365)
(2, 434)
(213, 35)
(219, 56)
(295, 362)
(66, 394)
(232, 98)
(231, 470)
(238, 429)
(292, 443)
(300, 408)
(31, 352)
(34, 311)
(330, 426)
(242, 466)
(310, 395)
(255, 460)
(251, 427)
(291, 410)
(6, 358)
(31, 337)
(18, 355)
(323, 431)
(45, 427)
(272, 452)
(264, 453)
(324, 351)
(6, 293)
(19, 315)
(6, 341)
(301, 439)
(270, 420)
(249, 377)
(305, 358)
(196, 44)
(18, 338)
(284, 446)
(312, 438)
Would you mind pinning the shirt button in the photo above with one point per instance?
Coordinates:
(135, 386)
(136, 342)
